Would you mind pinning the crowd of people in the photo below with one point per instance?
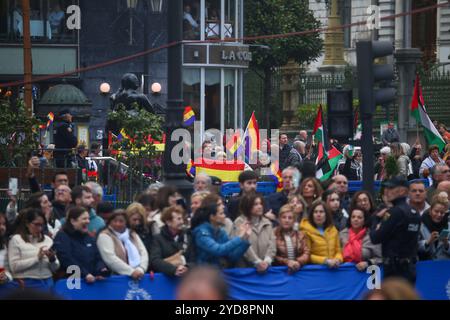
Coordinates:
(307, 222)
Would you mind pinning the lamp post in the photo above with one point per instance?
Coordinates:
(174, 174)
(131, 5)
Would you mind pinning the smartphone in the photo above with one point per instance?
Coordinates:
(13, 183)
(444, 234)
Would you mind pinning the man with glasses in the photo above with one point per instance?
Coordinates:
(417, 198)
(340, 183)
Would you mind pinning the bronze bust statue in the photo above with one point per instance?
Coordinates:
(127, 95)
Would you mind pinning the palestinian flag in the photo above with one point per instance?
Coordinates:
(318, 135)
(328, 164)
(419, 112)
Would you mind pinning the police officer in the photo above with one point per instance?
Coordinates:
(397, 229)
(65, 139)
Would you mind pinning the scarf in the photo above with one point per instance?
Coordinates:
(134, 258)
(353, 248)
(433, 226)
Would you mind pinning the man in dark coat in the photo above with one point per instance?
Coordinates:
(65, 139)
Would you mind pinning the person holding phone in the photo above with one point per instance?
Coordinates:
(434, 231)
(31, 260)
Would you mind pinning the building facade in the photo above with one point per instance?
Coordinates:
(429, 31)
(112, 29)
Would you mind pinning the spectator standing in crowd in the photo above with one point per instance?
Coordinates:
(40, 201)
(172, 251)
(31, 260)
(213, 246)
(322, 237)
(213, 198)
(247, 183)
(417, 196)
(429, 162)
(380, 166)
(403, 161)
(292, 250)
(121, 248)
(5, 276)
(440, 172)
(137, 219)
(65, 140)
(63, 198)
(390, 135)
(340, 216)
(302, 136)
(363, 200)
(285, 149)
(82, 163)
(444, 133)
(352, 167)
(416, 159)
(340, 182)
(196, 203)
(167, 196)
(291, 179)
(202, 182)
(82, 196)
(262, 240)
(433, 242)
(298, 205)
(97, 193)
(356, 244)
(75, 247)
(397, 229)
(311, 190)
(295, 155)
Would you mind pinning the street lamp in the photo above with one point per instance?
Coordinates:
(156, 88)
(175, 174)
(105, 88)
(131, 5)
(156, 5)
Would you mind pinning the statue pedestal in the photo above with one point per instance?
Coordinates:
(291, 97)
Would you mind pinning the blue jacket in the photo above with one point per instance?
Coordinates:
(78, 249)
(213, 244)
(96, 223)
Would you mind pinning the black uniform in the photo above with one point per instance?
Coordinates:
(398, 234)
(64, 139)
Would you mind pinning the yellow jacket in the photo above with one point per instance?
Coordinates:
(322, 247)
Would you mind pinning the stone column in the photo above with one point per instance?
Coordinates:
(334, 39)
(290, 90)
(406, 61)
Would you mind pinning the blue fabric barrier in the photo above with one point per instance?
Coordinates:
(433, 280)
(311, 282)
(265, 188)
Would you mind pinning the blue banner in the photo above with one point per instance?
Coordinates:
(433, 280)
(311, 282)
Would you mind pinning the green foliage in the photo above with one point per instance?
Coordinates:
(307, 113)
(19, 134)
(267, 17)
(138, 126)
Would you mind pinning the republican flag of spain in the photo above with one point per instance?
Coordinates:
(188, 116)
